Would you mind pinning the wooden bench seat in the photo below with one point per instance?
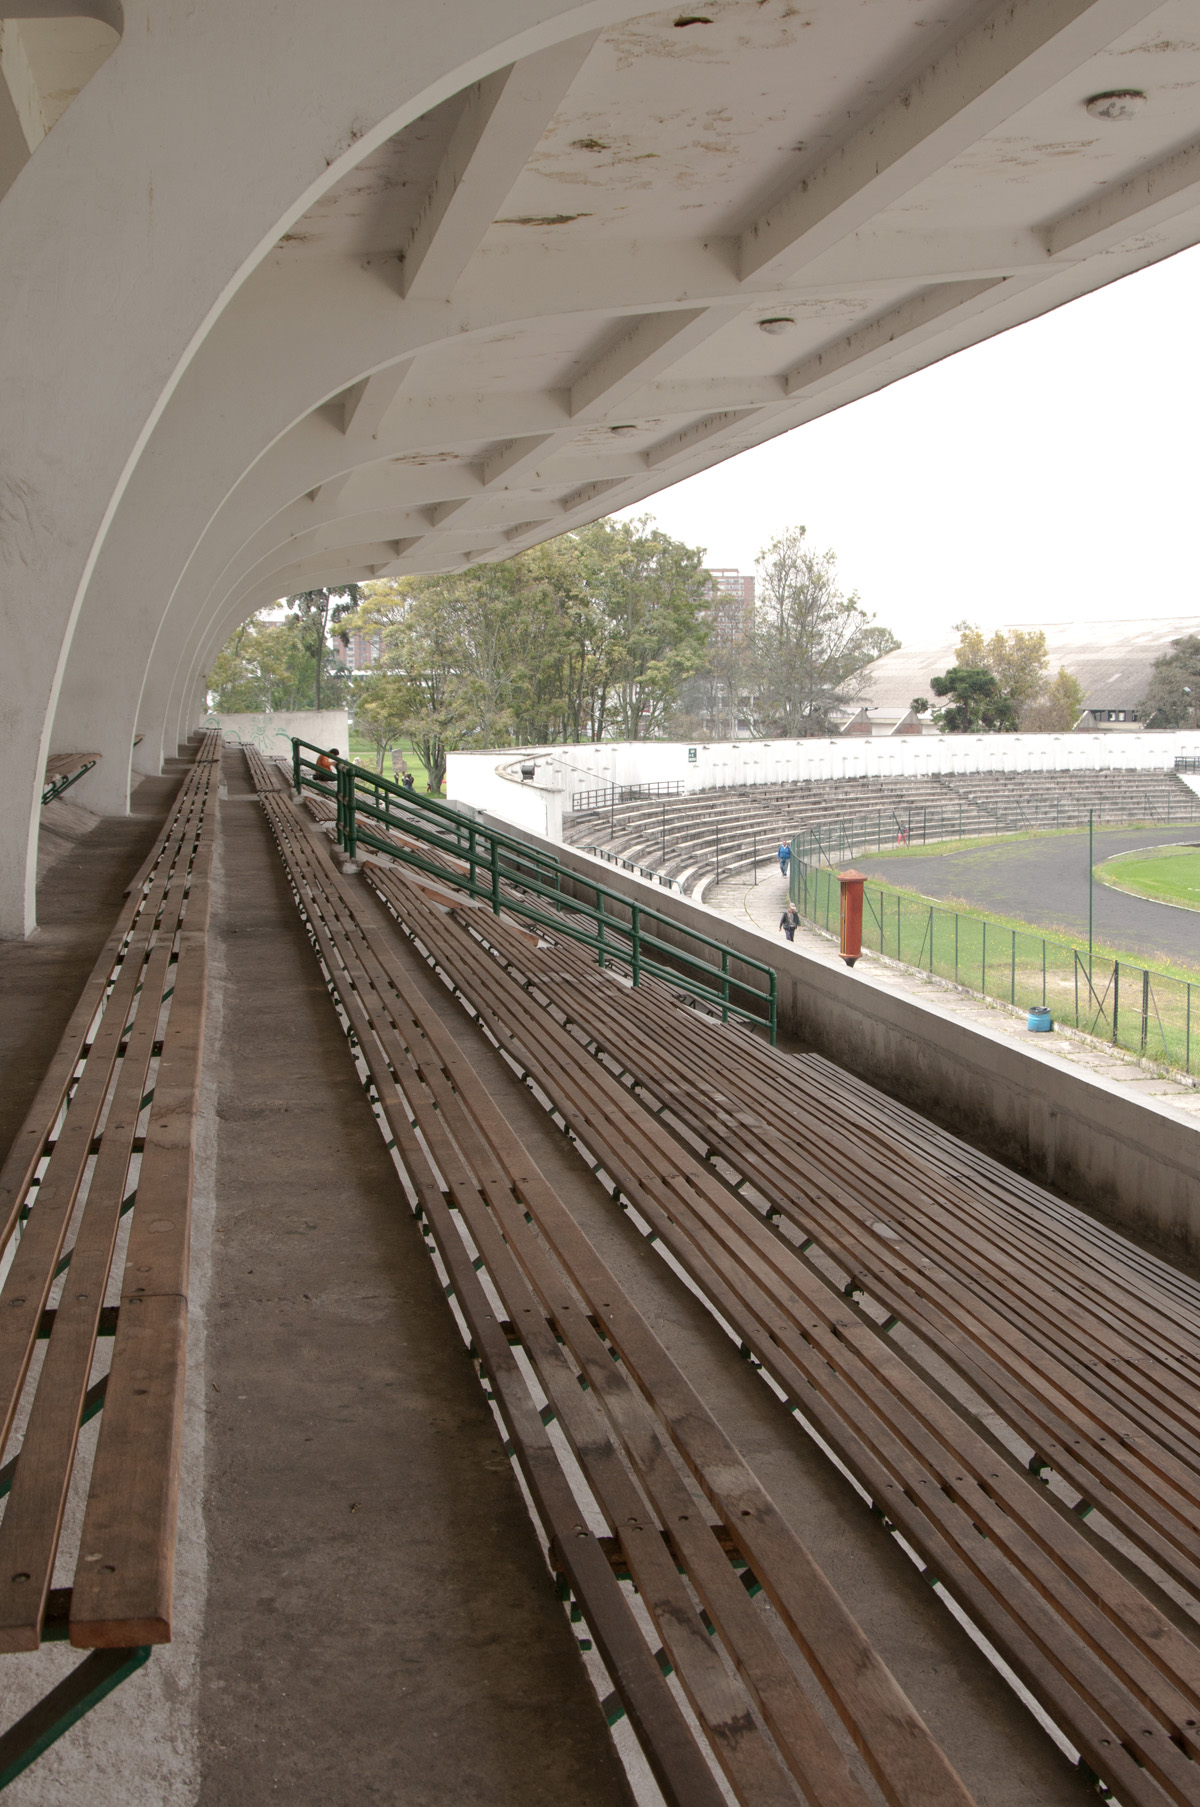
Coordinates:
(676, 1497)
(989, 1383)
(106, 1147)
(1099, 1646)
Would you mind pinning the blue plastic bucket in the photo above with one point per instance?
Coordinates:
(1039, 1019)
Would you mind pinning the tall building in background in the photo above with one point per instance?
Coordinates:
(363, 651)
(726, 581)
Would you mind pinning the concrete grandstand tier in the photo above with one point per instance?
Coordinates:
(692, 840)
(363, 296)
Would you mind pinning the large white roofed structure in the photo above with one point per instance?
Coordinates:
(298, 295)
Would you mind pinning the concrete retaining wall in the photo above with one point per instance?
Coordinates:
(1130, 1162)
(272, 734)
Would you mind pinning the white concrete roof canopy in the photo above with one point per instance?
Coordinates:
(384, 319)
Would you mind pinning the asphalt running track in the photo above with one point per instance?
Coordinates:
(1044, 882)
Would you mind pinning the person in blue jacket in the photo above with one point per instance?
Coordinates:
(785, 855)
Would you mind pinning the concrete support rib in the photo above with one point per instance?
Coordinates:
(385, 322)
(155, 225)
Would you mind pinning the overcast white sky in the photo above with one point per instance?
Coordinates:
(1049, 474)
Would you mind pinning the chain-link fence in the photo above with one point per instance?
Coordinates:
(1146, 1012)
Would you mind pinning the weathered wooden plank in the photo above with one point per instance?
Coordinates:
(29, 1531)
(1081, 1652)
(897, 1740)
(123, 1581)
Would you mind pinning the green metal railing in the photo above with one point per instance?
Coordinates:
(509, 874)
(59, 785)
(1147, 1013)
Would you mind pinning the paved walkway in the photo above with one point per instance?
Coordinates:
(764, 903)
(1044, 882)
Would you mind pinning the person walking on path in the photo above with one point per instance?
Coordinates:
(785, 855)
(789, 922)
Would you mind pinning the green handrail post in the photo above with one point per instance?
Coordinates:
(471, 838)
(495, 866)
(600, 951)
(636, 942)
(725, 985)
(296, 766)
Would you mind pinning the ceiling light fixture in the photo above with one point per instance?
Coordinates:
(779, 323)
(626, 427)
(1121, 103)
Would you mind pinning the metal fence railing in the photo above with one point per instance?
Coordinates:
(1147, 1013)
(611, 794)
(373, 814)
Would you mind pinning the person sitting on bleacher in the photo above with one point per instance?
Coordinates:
(326, 771)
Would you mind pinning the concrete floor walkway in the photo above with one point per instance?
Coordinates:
(763, 904)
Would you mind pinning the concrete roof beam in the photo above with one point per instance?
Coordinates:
(993, 70)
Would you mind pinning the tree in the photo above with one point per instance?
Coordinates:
(810, 642)
(382, 708)
(1017, 660)
(316, 610)
(263, 666)
(977, 703)
(648, 594)
(1058, 708)
(1172, 698)
(1020, 664)
(590, 634)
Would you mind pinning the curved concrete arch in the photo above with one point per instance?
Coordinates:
(156, 226)
(204, 364)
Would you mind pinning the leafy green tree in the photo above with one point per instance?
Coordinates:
(382, 708)
(1057, 709)
(977, 704)
(589, 635)
(811, 642)
(263, 666)
(649, 593)
(1172, 698)
(1018, 661)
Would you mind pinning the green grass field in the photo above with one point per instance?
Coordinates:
(364, 751)
(1166, 874)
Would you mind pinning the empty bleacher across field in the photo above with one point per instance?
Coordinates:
(709, 834)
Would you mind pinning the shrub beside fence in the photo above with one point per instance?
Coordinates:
(1145, 1012)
